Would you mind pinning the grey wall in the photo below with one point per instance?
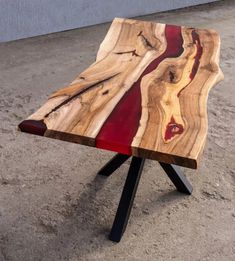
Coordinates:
(26, 18)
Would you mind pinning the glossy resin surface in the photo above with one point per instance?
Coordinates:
(145, 95)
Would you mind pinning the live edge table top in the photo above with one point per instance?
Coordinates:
(145, 95)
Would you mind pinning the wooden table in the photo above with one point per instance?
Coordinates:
(144, 96)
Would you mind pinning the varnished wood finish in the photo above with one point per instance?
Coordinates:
(145, 95)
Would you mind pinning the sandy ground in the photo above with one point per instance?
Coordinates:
(52, 205)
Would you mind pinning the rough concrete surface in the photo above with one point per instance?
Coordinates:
(52, 205)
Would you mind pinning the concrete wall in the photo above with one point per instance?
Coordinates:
(26, 18)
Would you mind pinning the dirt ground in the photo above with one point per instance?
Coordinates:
(52, 204)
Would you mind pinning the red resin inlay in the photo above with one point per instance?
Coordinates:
(197, 57)
(172, 129)
(33, 127)
(196, 40)
(122, 124)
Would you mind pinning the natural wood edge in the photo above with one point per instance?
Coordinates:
(143, 153)
(214, 79)
(91, 142)
(191, 163)
(70, 137)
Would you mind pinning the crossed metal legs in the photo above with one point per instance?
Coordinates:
(130, 188)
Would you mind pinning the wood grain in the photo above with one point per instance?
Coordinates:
(145, 95)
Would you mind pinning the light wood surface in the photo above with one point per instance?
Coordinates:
(145, 95)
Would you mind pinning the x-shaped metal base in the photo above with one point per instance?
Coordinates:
(130, 188)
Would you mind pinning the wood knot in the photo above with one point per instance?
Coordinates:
(172, 129)
(172, 76)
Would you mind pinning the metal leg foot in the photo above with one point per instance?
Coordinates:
(177, 178)
(113, 164)
(127, 198)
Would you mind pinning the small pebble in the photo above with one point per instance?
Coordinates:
(145, 211)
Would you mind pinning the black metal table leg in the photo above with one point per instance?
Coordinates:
(127, 198)
(130, 188)
(113, 164)
(177, 178)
